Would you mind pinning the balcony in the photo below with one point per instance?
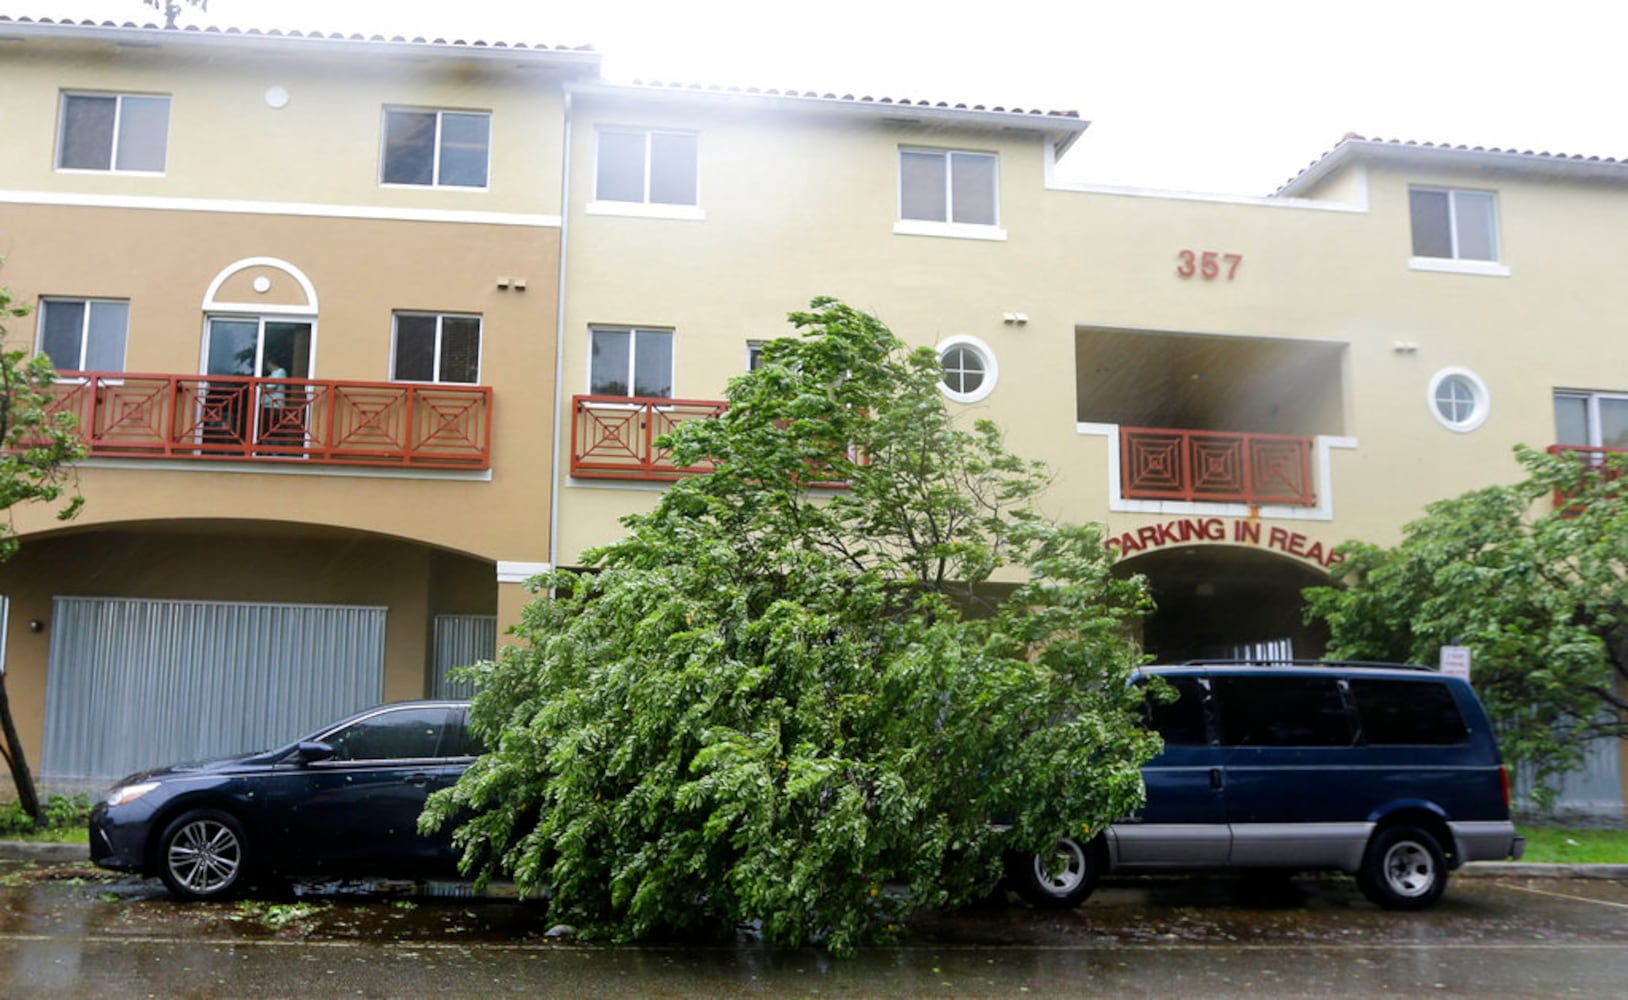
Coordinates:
(235, 418)
(1593, 460)
(614, 437)
(1215, 467)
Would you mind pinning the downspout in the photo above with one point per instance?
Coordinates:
(555, 463)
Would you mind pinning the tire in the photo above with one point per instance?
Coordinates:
(1403, 869)
(1059, 880)
(203, 855)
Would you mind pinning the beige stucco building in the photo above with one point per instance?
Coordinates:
(488, 277)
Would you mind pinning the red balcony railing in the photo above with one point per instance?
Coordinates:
(1163, 464)
(1593, 459)
(614, 437)
(238, 418)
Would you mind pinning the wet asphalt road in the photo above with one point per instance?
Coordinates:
(68, 931)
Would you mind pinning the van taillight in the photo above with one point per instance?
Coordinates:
(1503, 779)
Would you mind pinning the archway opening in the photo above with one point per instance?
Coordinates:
(1220, 601)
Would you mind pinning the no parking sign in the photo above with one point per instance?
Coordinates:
(1455, 661)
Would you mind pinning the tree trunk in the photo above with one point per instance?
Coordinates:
(13, 750)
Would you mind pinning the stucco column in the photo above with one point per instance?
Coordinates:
(512, 595)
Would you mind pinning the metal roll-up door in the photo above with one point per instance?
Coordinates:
(459, 641)
(135, 683)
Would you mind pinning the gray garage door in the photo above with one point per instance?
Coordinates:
(459, 641)
(138, 683)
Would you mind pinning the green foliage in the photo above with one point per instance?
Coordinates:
(64, 813)
(769, 703)
(1538, 589)
(36, 445)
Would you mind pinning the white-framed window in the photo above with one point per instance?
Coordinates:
(1459, 399)
(630, 361)
(84, 335)
(121, 133)
(433, 148)
(969, 369)
(1591, 419)
(754, 355)
(646, 172)
(435, 347)
(948, 192)
(1453, 225)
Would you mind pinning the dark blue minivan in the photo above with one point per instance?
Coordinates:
(1385, 771)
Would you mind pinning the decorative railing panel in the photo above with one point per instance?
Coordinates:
(238, 418)
(1209, 466)
(614, 437)
(1594, 461)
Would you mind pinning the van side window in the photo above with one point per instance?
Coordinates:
(1180, 722)
(1283, 712)
(1408, 713)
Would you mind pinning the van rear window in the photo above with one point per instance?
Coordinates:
(1408, 713)
(1283, 712)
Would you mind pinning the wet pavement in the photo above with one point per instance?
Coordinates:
(67, 930)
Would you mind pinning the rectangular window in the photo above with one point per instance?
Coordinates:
(436, 347)
(1408, 713)
(84, 335)
(1454, 225)
(1282, 712)
(645, 166)
(948, 186)
(114, 132)
(436, 148)
(631, 361)
(754, 355)
(1592, 419)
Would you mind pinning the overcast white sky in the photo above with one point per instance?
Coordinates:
(1231, 96)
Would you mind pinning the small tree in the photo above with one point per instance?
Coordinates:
(171, 9)
(36, 447)
(785, 690)
(1534, 578)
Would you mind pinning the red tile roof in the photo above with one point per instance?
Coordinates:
(1351, 144)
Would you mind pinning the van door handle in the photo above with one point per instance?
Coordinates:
(1215, 777)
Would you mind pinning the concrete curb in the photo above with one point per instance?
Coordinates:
(1525, 869)
(49, 852)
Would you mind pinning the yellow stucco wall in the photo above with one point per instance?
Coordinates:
(798, 204)
(323, 147)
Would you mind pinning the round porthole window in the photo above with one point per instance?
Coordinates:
(1458, 399)
(968, 369)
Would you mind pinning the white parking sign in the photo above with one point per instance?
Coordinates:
(1455, 661)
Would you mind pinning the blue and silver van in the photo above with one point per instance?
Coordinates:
(1385, 771)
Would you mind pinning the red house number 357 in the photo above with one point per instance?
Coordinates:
(1207, 264)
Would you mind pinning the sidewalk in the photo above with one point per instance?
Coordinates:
(55, 853)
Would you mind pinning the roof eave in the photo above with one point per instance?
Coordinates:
(1351, 151)
(1063, 129)
(149, 35)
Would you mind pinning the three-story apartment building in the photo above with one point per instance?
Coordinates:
(368, 330)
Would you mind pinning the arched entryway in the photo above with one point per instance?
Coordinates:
(1223, 601)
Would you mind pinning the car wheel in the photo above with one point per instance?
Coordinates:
(1057, 880)
(203, 855)
(1403, 869)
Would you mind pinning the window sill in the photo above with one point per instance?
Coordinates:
(109, 172)
(646, 210)
(396, 186)
(948, 230)
(1490, 268)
